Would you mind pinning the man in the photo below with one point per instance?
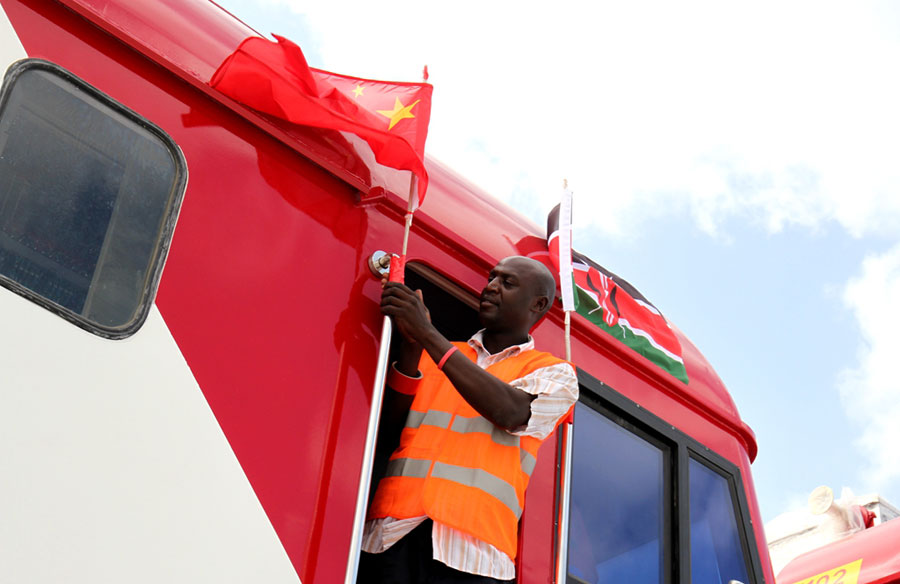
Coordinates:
(448, 507)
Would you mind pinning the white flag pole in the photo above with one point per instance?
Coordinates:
(565, 262)
(411, 205)
(568, 299)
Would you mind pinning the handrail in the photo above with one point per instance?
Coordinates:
(562, 552)
(365, 477)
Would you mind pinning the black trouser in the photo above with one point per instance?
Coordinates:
(411, 561)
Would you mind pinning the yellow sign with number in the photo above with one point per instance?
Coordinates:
(846, 574)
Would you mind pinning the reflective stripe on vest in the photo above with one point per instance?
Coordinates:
(470, 477)
(429, 418)
(471, 425)
(408, 467)
(482, 426)
(528, 462)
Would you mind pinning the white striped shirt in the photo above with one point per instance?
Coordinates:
(556, 388)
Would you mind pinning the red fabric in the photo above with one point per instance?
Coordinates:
(274, 78)
(401, 383)
(868, 517)
(397, 270)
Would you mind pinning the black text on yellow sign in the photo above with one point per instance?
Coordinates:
(846, 574)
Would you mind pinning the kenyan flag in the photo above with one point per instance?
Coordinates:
(616, 306)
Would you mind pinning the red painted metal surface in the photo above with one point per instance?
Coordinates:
(878, 548)
(267, 292)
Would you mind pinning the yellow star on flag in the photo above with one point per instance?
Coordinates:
(358, 91)
(400, 112)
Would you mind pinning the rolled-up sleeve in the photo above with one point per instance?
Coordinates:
(403, 383)
(556, 388)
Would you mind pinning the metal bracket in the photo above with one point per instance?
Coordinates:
(380, 264)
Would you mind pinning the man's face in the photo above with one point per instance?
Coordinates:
(507, 299)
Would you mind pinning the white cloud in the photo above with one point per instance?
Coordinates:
(781, 113)
(871, 392)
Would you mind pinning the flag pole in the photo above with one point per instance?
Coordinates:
(412, 199)
(368, 461)
(566, 431)
(568, 311)
(410, 208)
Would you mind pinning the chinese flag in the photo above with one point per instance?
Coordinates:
(273, 78)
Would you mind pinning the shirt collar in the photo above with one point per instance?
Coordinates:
(476, 343)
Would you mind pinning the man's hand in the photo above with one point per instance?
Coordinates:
(411, 318)
(408, 311)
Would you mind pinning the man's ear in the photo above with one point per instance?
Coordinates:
(540, 305)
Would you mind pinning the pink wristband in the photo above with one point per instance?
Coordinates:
(446, 356)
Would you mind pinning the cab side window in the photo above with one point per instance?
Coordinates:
(716, 553)
(89, 192)
(618, 511)
(649, 504)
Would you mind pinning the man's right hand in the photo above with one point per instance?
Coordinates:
(408, 311)
(411, 318)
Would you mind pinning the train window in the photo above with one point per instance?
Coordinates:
(648, 503)
(619, 510)
(716, 551)
(89, 192)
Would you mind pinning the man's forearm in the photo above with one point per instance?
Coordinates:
(497, 401)
(408, 358)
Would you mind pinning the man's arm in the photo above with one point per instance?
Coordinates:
(556, 391)
(497, 401)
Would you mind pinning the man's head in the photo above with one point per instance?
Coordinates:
(519, 292)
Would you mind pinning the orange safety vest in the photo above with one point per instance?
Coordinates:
(455, 466)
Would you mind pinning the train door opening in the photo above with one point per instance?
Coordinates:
(454, 312)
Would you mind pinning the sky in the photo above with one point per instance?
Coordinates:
(737, 162)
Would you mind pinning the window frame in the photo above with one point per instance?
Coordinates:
(732, 475)
(608, 402)
(166, 232)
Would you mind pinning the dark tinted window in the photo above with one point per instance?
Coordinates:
(618, 509)
(716, 552)
(88, 196)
